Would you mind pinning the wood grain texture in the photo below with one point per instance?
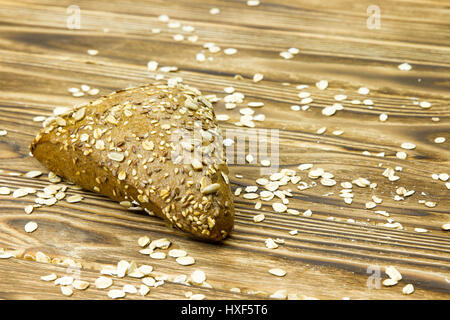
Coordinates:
(328, 259)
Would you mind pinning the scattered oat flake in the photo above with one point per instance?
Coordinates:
(185, 261)
(277, 272)
(129, 288)
(363, 90)
(222, 117)
(157, 255)
(258, 77)
(177, 253)
(305, 166)
(253, 3)
(259, 217)
(80, 284)
(340, 97)
(49, 277)
(152, 65)
(92, 52)
(3, 133)
(322, 84)
(33, 174)
(116, 294)
(425, 104)
(329, 111)
(214, 11)
(408, 145)
(389, 282)
(197, 296)
(28, 209)
(430, 204)
(74, 198)
(5, 191)
(270, 243)
(198, 276)
(408, 289)
(230, 51)
(279, 207)
(404, 67)
(286, 55)
(393, 273)
(31, 226)
(421, 230)
(19, 193)
(103, 282)
(439, 140)
(143, 241)
(66, 290)
(383, 117)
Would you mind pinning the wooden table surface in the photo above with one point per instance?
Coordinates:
(340, 246)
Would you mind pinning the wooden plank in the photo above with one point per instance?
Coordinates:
(328, 259)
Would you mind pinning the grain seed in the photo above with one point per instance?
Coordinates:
(129, 288)
(29, 209)
(116, 156)
(66, 290)
(393, 273)
(257, 77)
(74, 198)
(149, 281)
(230, 51)
(5, 191)
(425, 104)
(19, 193)
(363, 90)
(408, 146)
(185, 261)
(49, 277)
(197, 296)
(270, 243)
(322, 84)
(143, 290)
(198, 276)
(408, 289)
(277, 272)
(214, 11)
(33, 174)
(158, 255)
(389, 282)
(103, 282)
(259, 217)
(80, 284)
(143, 241)
(329, 111)
(116, 294)
(31, 226)
(404, 66)
(177, 253)
(279, 207)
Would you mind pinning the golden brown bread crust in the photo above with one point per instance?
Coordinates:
(127, 147)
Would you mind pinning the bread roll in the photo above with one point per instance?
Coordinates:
(156, 146)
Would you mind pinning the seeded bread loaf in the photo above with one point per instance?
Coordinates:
(155, 146)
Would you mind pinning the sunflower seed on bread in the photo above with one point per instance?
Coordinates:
(127, 146)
